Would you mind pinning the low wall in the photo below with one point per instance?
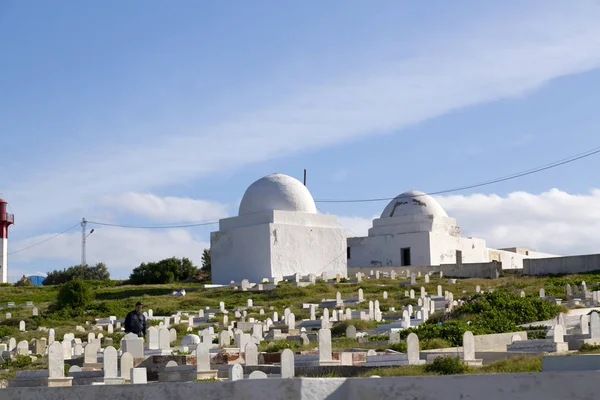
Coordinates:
(561, 265)
(527, 386)
(574, 362)
(489, 270)
(496, 341)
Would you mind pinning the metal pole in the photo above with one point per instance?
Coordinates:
(83, 224)
(304, 176)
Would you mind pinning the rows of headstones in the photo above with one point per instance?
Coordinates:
(575, 295)
(248, 332)
(311, 279)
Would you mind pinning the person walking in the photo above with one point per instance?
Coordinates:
(135, 322)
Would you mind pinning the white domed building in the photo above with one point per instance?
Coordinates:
(414, 229)
(277, 233)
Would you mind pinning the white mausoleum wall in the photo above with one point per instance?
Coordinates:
(307, 250)
(277, 243)
(444, 248)
(385, 250)
(242, 253)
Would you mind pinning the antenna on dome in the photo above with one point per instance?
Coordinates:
(304, 176)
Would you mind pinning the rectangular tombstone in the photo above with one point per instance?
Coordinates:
(325, 345)
(56, 361)
(287, 364)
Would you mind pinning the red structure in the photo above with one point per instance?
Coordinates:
(6, 220)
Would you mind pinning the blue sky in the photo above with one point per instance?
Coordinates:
(163, 113)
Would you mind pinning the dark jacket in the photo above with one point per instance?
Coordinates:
(135, 323)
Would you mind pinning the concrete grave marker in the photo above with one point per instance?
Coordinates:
(287, 363)
(126, 365)
(385, 295)
(251, 352)
(468, 346)
(412, 347)
(257, 375)
(325, 345)
(236, 372)
(110, 362)
(22, 326)
(152, 336)
(56, 361)
(594, 325)
(139, 376)
(351, 332)
(164, 338)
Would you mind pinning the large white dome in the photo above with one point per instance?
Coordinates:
(413, 202)
(277, 192)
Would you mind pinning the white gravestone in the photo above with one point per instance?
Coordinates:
(325, 345)
(468, 346)
(251, 354)
(56, 361)
(287, 364)
(164, 338)
(110, 362)
(152, 336)
(412, 347)
(126, 365)
(236, 372)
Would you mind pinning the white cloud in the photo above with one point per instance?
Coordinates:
(508, 57)
(119, 248)
(553, 222)
(356, 226)
(172, 209)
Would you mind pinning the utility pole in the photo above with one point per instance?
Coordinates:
(84, 236)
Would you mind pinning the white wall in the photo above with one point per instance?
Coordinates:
(306, 250)
(3, 260)
(384, 250)
(444, 247)
(296, 243)
(242, 253)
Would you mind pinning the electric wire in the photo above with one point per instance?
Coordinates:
(45, 240)
(204, 223)
(554, 164)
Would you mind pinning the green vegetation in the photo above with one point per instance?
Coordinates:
(168, 270)
(75, 294)
(24, 281)
(447, 365)
(517, 364)
(589, 349)
(98, 272)
(497, 312)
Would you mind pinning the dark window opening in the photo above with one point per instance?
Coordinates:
(348, 252)
(459, 256)
(405, 256)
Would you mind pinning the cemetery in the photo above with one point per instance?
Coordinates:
(303, 328)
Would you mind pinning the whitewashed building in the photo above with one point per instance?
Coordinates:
(277, 233)
(414, 229)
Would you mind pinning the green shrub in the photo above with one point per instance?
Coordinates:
(8, 330)
(24, 281)
(447, 365)
(74, 295)
(165, 271)
(98, 272)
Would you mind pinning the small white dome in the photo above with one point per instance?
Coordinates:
(413, 202)
(277, 192)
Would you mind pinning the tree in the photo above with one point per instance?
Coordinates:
(98, 272)
(168, 270)
(74, 294)
(206, 266)
(24, 281)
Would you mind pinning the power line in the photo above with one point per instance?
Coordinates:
(156, 226)
(45, 240)
(554, 164)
